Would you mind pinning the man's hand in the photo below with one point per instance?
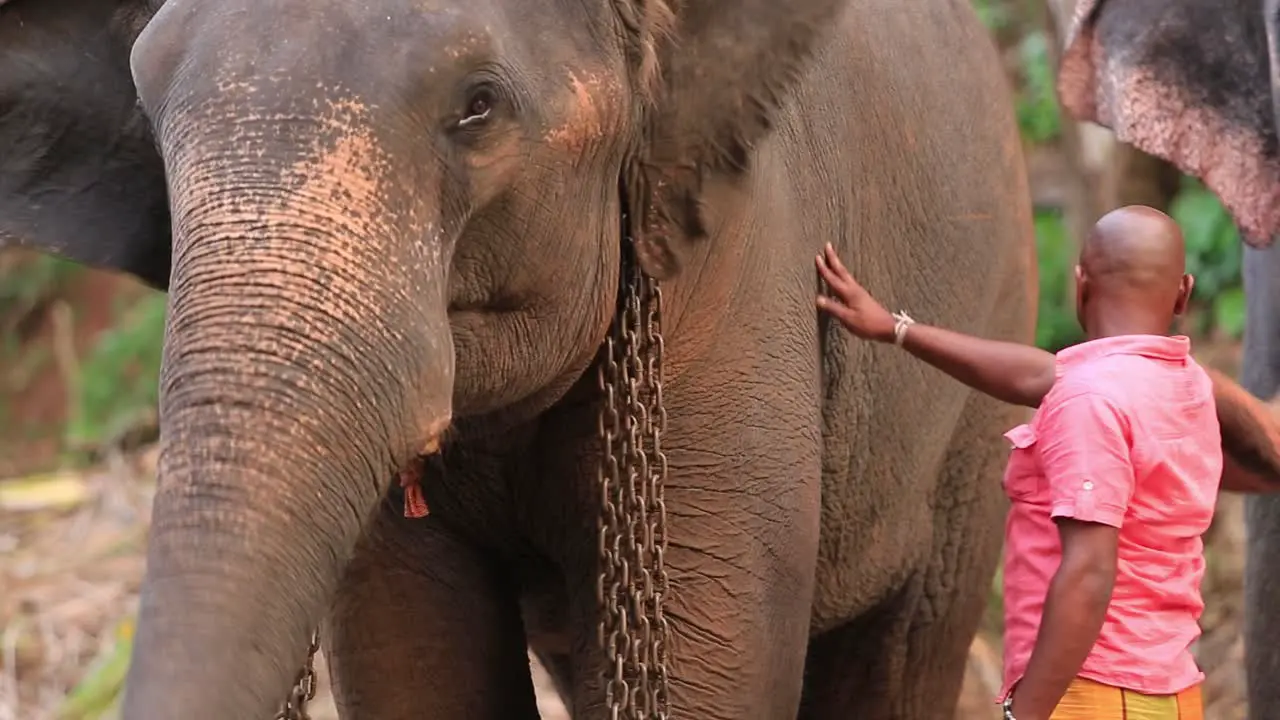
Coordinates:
(1014, 373)
(850, 303)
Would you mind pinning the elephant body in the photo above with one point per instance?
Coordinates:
(834, 508)
(357, 264)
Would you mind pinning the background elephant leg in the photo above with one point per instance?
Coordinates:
(1261, 376)
(426, 626)
(906, 659)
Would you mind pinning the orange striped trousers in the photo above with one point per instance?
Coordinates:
(1089, 700)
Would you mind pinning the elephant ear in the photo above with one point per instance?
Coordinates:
(715, 74)
(1193, 82)
(80, 176)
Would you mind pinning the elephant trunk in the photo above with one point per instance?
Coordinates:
(305, 362)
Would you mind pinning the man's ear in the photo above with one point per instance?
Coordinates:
(716, 73)
(1184, 294)
(1082, 289)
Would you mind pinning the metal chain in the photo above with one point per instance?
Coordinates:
(304, 687)
(633, 581)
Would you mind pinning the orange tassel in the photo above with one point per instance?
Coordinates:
(415, 503)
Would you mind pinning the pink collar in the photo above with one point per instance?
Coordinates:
(1174, 348)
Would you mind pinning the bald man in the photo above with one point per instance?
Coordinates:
(1112, 483)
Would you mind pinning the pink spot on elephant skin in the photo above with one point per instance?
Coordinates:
(585, 121)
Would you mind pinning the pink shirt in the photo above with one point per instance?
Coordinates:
(1128, 437)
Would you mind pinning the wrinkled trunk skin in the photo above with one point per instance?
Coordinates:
(305, 361)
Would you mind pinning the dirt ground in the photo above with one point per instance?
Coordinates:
(71, 561)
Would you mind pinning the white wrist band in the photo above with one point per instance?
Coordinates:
(903, 321)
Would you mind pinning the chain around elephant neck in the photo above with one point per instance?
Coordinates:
(632, 582)
(304, 687)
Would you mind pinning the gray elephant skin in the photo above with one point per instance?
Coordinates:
(376, 220)
(1198, 84)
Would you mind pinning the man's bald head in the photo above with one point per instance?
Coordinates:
(1133, 269)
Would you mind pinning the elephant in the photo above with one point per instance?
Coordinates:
(402, 229)
(442, 242)
(1198, 85)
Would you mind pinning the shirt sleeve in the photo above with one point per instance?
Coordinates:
(1085, 455)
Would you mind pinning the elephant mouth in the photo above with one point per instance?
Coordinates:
(484, 301)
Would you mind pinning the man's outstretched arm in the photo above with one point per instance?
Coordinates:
(1014, 373)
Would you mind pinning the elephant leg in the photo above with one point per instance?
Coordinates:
(1260, 375)
(742, 529)
(906, 658)
(424, 625)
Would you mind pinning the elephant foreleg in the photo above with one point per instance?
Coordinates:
(742, 528)
(906, 659)
(425, 626)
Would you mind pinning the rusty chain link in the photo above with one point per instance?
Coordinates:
(632, 542)
(304, 687)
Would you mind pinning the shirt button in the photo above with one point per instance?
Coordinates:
(1088, 484)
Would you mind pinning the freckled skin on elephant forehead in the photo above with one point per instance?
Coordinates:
(338, 177)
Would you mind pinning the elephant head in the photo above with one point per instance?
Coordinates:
(384, 216)
(77, 160)
(1195, 83)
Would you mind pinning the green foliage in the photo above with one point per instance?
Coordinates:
(117, 387)
(1037, 97)
(1214, 256)
(994, 14)
(23, 288)
(99, 690)
(1056, 325)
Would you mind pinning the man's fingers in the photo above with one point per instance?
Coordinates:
(834, 261)
(835, 281)
(840, 282)
(838, 310)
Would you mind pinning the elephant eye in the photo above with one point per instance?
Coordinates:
(479, 107)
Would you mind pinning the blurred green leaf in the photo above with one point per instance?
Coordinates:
(119, 380)
(1037, 100)
(1214, 256)
(994, 14)
(1057, 326)
(1229, 312)
(99, 689)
